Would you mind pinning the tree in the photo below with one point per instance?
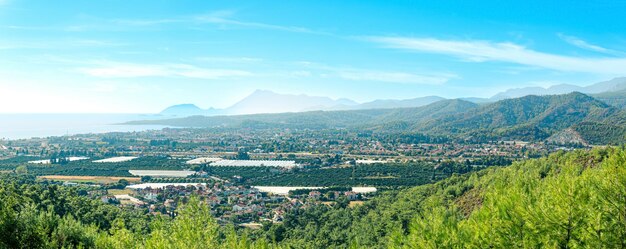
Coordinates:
(146, 178)
(242, 155)
(21, 170)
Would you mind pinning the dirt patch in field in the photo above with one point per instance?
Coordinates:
(470, 201)
(356, 203)
(120, 191)
(94, 179)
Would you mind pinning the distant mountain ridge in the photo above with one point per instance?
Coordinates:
(613, 85)
(265, 101)
(612, 92)
(183, 110)
(529, 118)
(404, 103)
(262, 101)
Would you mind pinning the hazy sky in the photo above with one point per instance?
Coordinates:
(142, 56)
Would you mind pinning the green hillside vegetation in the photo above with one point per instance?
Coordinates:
(531, 118)
(410, 118)
(617, 99)
(567, 200)
(573, 200)
(527, 118)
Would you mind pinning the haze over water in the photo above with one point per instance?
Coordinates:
(20, 126)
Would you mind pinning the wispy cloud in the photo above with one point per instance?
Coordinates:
(362, 74)
(483, 51)
(137, 22)
(230, 59)
(587, 46)
(224, 19)
(394, 77)
(59, 44)
(131, 70)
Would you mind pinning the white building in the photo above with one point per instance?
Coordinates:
(255, 163)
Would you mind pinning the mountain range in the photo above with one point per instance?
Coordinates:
(529, 118)
(264, 101)
(614, 85)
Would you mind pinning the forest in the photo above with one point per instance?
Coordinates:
(565, 200)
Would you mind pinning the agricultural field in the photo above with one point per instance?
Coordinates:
(161, 185)
(49, 161)
(89, 179)
(281, 190)
(89, 168)
(118, 159)
(255, 163)
(162, 173)
(203, 160)
(387, 175)
(125, 191)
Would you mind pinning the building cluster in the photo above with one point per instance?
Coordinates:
(229, 203)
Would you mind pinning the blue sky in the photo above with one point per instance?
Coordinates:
(142, 56)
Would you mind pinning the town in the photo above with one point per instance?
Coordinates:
(251, 177)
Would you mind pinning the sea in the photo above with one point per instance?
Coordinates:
(24, 126)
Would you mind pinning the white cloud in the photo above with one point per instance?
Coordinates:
(585, 45)
(394, 77)
(57, 44)
(125, 71)
(146, 22)
(50, 98)
(300, 74)
(223, 18)
(230, 59)
(130, 70)
(483, 51)
(362, 74)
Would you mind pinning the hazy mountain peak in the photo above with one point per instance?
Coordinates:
(262, 92)
(395, 103)
(265, 101)
(615, 84)
(182, 110)
(536, 90)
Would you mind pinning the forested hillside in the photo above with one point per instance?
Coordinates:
(529, 118)
(573, 200)
(567, 200)
(526, 118)
(617, 98)
(324, 119)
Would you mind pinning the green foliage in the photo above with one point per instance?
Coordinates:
(565, 201)
(89, 168)
(389, 175)
(22, 169)
(617, 99)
